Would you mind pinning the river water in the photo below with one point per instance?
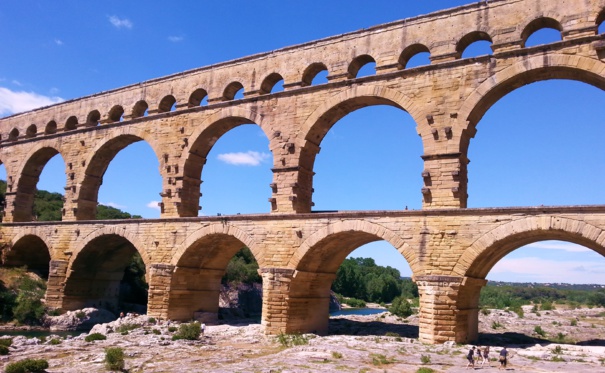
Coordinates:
(358, 311)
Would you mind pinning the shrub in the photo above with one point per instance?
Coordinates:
(126, 328)
(557, 350)
(485, 311)
(3, 350)
(80, 314)
(336, 355)
(95, 337)
(156, 332)
(401, 307)
(425, 370)
(289, 340)
(54, 341)
(496, 325)
(547, 306)
(6, 342)
(27, 365)
(379, 359)
(574, 322)
(172, 329)
(392, 334)
(539, 331)
(425, 359)
(151, 320)
(114, 358)
(189, 331)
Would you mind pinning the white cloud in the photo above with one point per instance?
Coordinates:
(114, 205)
(12, 102)
(154, 205)
(59, 42)
(17, 83)
(249, 158)
(120, 22)
(536, 269)
(175, 39)
(559, 245)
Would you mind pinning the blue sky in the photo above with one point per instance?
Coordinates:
(54, 51)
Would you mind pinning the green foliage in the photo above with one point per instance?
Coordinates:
(27, 366)
(110, 213)
(361, 278)
(425, 359)
(114, 358)
(379, 359)
(156, 332)
(425, 370)
(47, 206)
(289, 340)
(353, 302)
(152, 320)
(54, 341)
(134, 278)
(496, 325)
(539, 331)
(574, 322)
(172, 329)
(3, 350)
(189, 331)
(242, 268)
(80, 314)
(336, 355)
(547, 306)
(6, 342)
(557, 350)
(401, 307)
(126, 328)
(28, 306)
(95, 337)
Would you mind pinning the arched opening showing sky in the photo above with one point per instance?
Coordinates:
(370, 160)
(551, 262)
(132, 182)
(237, 173)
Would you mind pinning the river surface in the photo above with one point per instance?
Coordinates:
(358, 311)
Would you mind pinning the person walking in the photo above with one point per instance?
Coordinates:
(471, 358)
(503, 358)
(485, 356)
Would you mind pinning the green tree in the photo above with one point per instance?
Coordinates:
(242, 268)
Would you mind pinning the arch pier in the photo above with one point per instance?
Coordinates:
(449, 247)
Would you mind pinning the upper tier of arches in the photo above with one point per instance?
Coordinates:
(298, 66)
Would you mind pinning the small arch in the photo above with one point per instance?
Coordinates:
(139, 109)
(115, 114)
(601, 22)
(311, 72)
(167, 104)
(270, 83)
(51, 127)
(31, 251)
(409, 53)
(93, 118)
(472, 38)
(71, 123)
(197, 97)
(358, 63)
(31, 131)
(538, 24)
(13, 135)
(232, 90)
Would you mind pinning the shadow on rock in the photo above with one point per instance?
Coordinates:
(338, 326)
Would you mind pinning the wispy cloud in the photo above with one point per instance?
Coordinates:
(16, 82)
(154, 205)
(120, 22)
(558, 245)
(176, 39)
(12, 102)
(59, 42)
(536, 269)
(249, 158)
(114, 205)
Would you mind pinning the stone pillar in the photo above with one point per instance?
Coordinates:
(445, 181)
(194, 290)
(9, 207)
(289, 193)
(56, 283)
(276, 287)
(309, 302)
(160, 276)
(448, 308)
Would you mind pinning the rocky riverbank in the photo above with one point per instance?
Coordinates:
(375, 343)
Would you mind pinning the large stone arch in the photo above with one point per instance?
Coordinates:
(485, 252)
(96, 268)
(198, 266)
(371, 231)
(97, 162)
(194, 157)
(24, 250)
(315, 265)
(530, 70)
(28, 175)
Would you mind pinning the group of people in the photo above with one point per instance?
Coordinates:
(483, 355)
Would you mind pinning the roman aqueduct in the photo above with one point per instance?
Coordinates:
(450, 248)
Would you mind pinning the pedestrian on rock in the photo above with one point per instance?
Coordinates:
(503, 358)
(485, 356)
(471, 358)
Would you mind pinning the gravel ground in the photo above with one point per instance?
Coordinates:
(376, 343)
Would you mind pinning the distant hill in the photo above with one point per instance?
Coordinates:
(48, 206)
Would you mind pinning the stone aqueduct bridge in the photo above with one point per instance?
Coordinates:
(450, 248)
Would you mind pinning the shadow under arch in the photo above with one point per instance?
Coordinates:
(200, 263)
(204, 138)
(95, 273)
(96, 166)
(522, 73)
(28, 178)
(316, 262)
(28, 250)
